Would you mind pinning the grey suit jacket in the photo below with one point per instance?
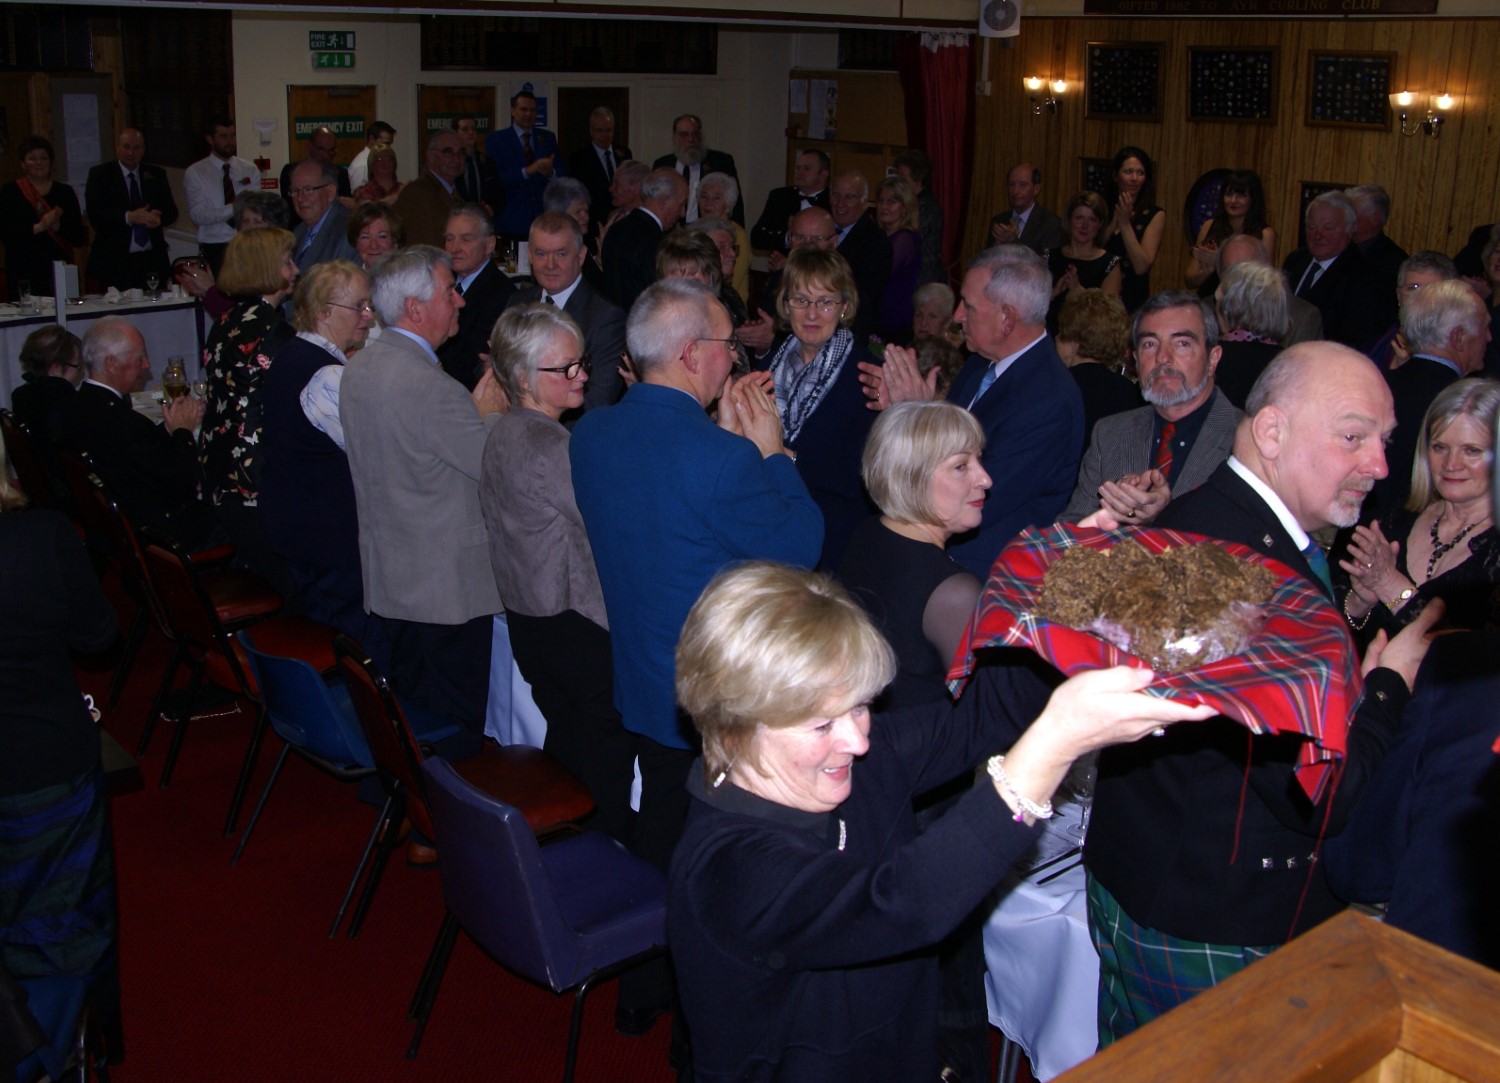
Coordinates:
(332, 241)
(603, 325)
(415, 442)
(1122, 445)
(1043, 230)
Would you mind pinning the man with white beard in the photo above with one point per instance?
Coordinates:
(1139, 459)
(693, 161)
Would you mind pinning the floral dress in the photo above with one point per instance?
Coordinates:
(239, 351)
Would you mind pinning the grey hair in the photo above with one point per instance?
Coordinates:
(1472, 397)
(855, 174)
(665, 318)
(433, 137)
(905, 447)
(477, 212)
(1254, 297)
(1434, 312)
(1019, 278)
(105, 340)
(406, 272)
(1339, 202)
(1372, 195)
(659, 184)
(636, 170)
(270, 206)
(934, 291)
(1428, 260)
(562, 192)
(1241, 240)
(725, 181)
(327, 171)
(1168, 299)
(602, 111)
(522, 339)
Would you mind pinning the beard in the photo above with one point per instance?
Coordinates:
(1344, 511)
(691, 155)
(1164, 399)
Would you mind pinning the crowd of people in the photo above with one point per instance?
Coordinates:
(739, 533)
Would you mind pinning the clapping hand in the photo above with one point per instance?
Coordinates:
(1133, 500)
(1003, 233)
(1404, 651)
(898, 379)
(1373, 575)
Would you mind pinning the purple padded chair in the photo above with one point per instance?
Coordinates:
(573, 913)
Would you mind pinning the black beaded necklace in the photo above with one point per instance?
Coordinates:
(1440, 549)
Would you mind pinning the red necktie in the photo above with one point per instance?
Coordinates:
(1164, 449)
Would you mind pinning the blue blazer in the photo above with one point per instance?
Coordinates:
(669, 500)
(523, 195)
(1033, 429)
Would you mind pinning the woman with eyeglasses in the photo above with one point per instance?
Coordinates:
(816, 375)
(306, 491)
(539, 550)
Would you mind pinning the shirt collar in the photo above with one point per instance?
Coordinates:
(560, 298)
(1005, 363)
(655, 219)
(1280, 510)
(419, 340)
(111, 390)
(468, 280)
(1447, 362)
(323, 343)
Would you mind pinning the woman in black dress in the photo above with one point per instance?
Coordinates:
(1135, 230)
(39, 221)
(1080, 263)
(1242, 209)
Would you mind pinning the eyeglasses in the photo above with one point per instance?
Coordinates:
(825, 305)
(741, 363)
(448, 152)
(795, 239)
(571, 370)
(306, 190)
(364, 308)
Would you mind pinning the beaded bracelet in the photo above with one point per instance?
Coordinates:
(1027, 807)
(1356, 623)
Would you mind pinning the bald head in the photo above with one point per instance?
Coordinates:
(665, 193)
(130, 147)
(1240, 248)
(813, 227)
(1315, 430)
(848, 196)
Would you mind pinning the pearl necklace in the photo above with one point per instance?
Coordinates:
(1440, 549)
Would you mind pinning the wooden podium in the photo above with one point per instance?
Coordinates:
(1352, 1001)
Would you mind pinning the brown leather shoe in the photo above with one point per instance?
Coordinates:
(419, 856)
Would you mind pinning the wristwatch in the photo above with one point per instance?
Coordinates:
(1401, 599)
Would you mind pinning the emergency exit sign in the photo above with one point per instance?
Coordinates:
(330, 39)
(332, 60)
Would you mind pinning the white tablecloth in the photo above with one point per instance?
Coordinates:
(1042, 973)
(171, 328)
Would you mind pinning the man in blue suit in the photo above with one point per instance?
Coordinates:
(1018, 388)
(669, 499)
(526, 158)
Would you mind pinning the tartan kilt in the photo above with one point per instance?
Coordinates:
(57, 879)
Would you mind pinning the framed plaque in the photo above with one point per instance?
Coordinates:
(1095, 174)
(1123, 81)
(1349, 90)
(1234, 85)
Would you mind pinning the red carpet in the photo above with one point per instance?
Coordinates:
(226, 972)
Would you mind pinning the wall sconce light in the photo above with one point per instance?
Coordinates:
(1044, 94)
(1431, 121)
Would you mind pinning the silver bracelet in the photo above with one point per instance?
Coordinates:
(1027, 807)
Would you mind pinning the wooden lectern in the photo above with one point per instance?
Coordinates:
(1352, 1001)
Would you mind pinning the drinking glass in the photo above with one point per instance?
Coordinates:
(28, 302)
(153, 283)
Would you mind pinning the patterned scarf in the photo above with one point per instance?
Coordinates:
(800, 387)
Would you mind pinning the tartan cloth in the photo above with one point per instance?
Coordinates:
(1301, 674)
(57, 879)
(1144, 973)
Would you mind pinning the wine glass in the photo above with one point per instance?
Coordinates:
(153, 282)
(23, 293)
(1079, 784)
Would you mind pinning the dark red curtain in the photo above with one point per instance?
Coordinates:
(937, 82)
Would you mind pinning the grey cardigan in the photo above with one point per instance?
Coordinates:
(538, 546)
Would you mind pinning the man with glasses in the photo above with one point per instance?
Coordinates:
(425, 203)
(322, 233)
(670, 497)
(692, 161)
(322, 145)
(469, 241)
(415, 440)
(557, 256)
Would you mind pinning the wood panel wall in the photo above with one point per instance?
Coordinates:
(1440, 187)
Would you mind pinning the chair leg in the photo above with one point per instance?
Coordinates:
(128, 655)
(576, 1026)
(382, 821)
(432, 977)
(261, 804)
(382, 858)
(158, 703)
(194, 684)
(262, 722)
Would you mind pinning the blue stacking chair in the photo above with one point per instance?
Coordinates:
(566, 915)
(314, 717)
